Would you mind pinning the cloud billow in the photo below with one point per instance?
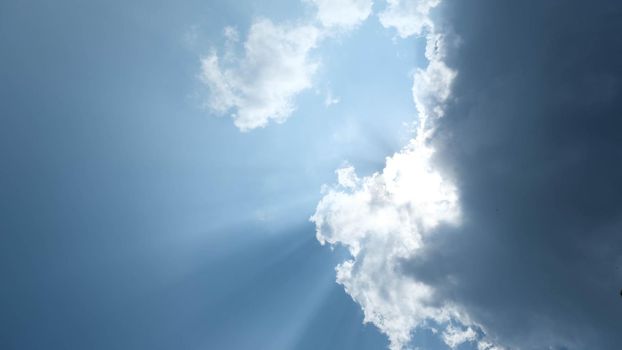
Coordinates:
(345, 14)
(260, 84)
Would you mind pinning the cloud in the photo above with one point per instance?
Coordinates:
(342, 13)
(408, 17)
(330, 100)
(385, 220)
(382, 220)
(260, 84)
(454, 336)
(432, 85)
(528, 255)
(532, 137)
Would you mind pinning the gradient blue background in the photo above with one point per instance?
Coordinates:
(134, 219)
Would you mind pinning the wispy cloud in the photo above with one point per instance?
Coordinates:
(408, 17)
(330, 100)
(454, 336)
(382, 219)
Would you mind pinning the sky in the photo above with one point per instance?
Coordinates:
(311, 174)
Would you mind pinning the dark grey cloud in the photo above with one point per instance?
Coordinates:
(533, 140)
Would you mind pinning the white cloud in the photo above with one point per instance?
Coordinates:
(260, 85)
(486, 345)
(382, 220)
(454, 336)
(346, 177)
(408, 17)
(231, 34)
(342, 13)
(431, 88)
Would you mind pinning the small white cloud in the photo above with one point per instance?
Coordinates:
(260, 85)
(231, 34)
(382, 219)
(330, 100)
(454, 336)
(342, 13)
(486, 345)
(408, 17)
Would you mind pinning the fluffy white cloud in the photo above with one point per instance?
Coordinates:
(382, 220)
(260, 84)
(408, 17)
(342, 13)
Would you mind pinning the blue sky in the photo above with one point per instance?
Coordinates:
(139, 213)
(142, 196)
